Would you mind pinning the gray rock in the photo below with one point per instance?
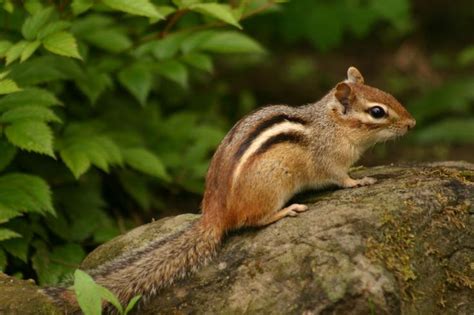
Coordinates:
(402, 246)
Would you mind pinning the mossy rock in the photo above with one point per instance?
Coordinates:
(401, 246)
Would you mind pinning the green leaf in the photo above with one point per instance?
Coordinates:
(165, 10)
(146, 162)
(93, 84)
(231, 42)
(30, 48)
(136, 7)
(53, 27)
(54, 265)
(219, 11)
(169, 46)
(25, 193)
(81, 6)
(34, 23)
(7, 213)
(7, 153)
(132, 304)
(76, 160)
(174, 71)
(15, 51)
(33, 6)
(8, 86)
(3, 260)
(137, 79)
(18, 247)
(87, 293)
(25, 97)
(31, 135)
(4, 74)
(6, 234)
(62, 43)
(112, 40)
(33, 112)
(44, 69)
(201, 61)
(79, 150)
(4, 46)
(110, 297)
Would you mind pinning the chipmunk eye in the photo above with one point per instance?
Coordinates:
(377, 112)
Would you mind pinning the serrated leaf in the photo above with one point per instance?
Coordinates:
(52, 28)
(87, 293)
(231, 42)
(81, 6)
(6, 234)
(93, 84)
(146, 162)
(8, 86)
(79, 150)
(136, 7)
(219, 11)
(75, 160)
(25, 193)
(174, 71)
(201, 61)
(15, 51)
(6, 213)
(4, 46)
(137, 79)
(7, 153)
(62, 43)
(29, 50)
(34, 23)
(31, 135)
(33, 112)
(26, 97)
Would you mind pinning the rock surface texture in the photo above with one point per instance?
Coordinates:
(402, 246)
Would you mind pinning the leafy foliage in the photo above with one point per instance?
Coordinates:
(87, 99)
(90, 295)
(109, 107)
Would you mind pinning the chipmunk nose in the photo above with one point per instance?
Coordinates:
(411, 124)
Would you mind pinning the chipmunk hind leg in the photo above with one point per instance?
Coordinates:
(263, 191)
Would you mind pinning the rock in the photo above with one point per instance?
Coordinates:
(402, 246)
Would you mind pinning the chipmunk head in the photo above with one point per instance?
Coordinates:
(371, 115)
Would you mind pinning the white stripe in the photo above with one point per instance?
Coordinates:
(280, 128)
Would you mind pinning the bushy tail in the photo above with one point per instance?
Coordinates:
(153, 267)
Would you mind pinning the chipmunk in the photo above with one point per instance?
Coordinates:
(264, 160)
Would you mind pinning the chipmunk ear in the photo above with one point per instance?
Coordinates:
(354, 76)
(345, 95)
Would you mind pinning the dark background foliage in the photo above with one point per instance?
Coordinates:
(110, 113)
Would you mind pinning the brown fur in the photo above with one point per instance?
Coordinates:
(306, 147)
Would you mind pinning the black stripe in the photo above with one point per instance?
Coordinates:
(292, 137)
(263, 126)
